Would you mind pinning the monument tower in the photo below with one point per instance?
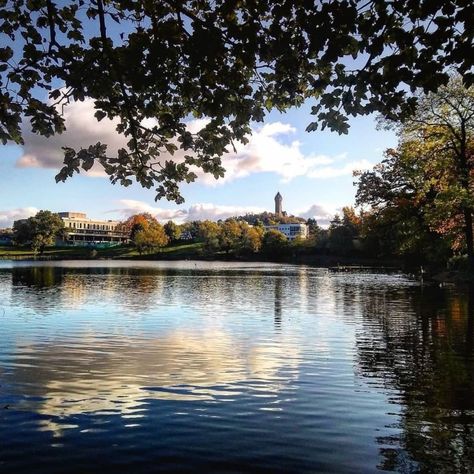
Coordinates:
(278, 207)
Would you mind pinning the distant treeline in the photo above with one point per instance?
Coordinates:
(352, 236)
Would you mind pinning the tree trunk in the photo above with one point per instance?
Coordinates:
(467, 210)
(469, 237)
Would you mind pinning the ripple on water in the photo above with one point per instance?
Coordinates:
(201, 366)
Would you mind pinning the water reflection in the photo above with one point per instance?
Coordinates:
(42, 288)
(343, 372)
(92, 371)
(419, 346)
(86, 375)
(278, 307)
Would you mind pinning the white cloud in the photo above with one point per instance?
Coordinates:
(7, 217)
(200, 211)
(335, 171)
(322, 214)
(131, 207)
(214, 212)
(268, 150)
(82, 130)
(204, 211)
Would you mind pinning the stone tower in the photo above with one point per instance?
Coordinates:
(278, 201)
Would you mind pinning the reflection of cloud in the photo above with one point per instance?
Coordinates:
(7, 217)
(268, 149)
(83, 376)
(112, 359)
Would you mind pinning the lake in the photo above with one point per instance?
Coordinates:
(109, 366)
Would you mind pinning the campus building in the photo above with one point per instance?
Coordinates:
(290, 230)
(6, 236)
(80, 230)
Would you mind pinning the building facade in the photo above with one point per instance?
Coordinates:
(82, 231)
(291, 231)
(6, 236)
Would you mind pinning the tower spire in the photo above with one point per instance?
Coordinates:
(278, 204)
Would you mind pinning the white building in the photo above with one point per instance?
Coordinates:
(81, 230)
(291, 231)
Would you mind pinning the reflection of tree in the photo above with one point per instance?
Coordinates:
(420, 346)
(143, 288)
(41, 277)
(36, 287)
(173, 358)
(277, 303)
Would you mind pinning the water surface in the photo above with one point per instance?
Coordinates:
(225, 367)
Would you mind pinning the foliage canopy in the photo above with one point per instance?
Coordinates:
(426, 185)
(153, 65)
(39, 231)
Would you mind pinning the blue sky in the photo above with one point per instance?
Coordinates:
(313, 172)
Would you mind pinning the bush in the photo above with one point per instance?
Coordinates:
(458, 263)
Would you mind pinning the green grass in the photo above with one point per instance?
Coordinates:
(178, 251)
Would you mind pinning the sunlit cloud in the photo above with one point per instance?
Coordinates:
(199, 211)
(7, 217)
(82, 130)
(343, 170)
(270, 149)
(322, 214)
(129, 207)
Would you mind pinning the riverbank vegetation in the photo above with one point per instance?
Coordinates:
(415, 207)
(420, 197)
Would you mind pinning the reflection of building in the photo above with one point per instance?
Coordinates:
(81, 230)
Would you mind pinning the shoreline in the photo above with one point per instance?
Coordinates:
(193, 252)
(187, 253)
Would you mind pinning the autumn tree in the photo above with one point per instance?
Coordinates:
(145, 232)
(173, 231)
(251, 239)
(39, 231)
(136, 223)
(151, 238)
(444, 124)
(209, 233)
(423, 189)
(274, 243)
(230, 236)
(226, 62)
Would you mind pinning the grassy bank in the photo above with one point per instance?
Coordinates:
(173, 252)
